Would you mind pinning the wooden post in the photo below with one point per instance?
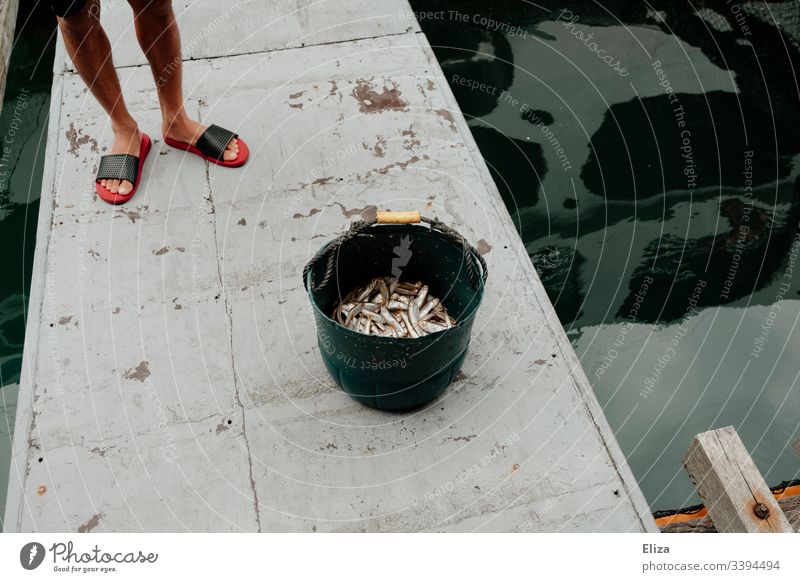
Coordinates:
(732, 489)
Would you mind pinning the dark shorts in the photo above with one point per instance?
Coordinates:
(66, 7)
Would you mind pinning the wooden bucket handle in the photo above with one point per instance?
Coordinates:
(398, 217)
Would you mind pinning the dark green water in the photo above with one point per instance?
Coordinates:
(648, 153)
(23, 125)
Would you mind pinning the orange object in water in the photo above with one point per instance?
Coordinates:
(664, 518)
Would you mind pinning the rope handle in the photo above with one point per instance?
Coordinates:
(328, 252)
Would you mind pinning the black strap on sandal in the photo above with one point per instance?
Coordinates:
(214, 141)
(118, 167)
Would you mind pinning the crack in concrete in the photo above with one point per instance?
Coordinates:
(229, 316)
(286, 47)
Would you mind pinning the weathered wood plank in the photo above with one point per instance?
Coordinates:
(732, 488)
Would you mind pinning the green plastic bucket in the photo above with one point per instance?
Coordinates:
(396, 373)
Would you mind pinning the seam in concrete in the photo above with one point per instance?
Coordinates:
(229, 316)
(70, 69)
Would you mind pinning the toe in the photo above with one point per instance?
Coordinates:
(113, 185)
(125, 187)
(229, 155)
(104, 183)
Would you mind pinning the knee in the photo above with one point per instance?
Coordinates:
(79, 24)
(158, 9)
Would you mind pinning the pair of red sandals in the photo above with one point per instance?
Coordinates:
(210, 146)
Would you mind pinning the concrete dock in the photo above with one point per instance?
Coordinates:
(8, 21)
(172, 380)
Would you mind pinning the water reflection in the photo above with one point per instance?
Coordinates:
(23, 124)
(681, 178)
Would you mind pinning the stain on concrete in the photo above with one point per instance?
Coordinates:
(369, 212)
(139, 373)
(133, 214)
(484, 247)
(540, 362)
(311, 213)
(93, 522)
(180, 249)
(222, 427)
(99, 451)
(296, 105)
(448, 116)
(410, 140)
(370, 101)
(465, 438)
(41, 490)
(379, 149)
(242, 222)
(296, 95)
(65, 320)
(116, 310)
(322, 181)
(402, 165)
(334, 88)
(77, 138)
(161, 251)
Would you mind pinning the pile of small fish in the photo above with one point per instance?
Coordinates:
(389, 308)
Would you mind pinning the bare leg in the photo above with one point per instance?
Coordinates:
(160, 40)
(90, 51)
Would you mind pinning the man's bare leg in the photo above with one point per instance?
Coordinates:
(90, 51)
(160, 40)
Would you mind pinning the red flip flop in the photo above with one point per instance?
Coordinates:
(211, 146)
(122, 167)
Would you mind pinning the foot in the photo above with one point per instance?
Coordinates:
(126, 141)
(189, 131)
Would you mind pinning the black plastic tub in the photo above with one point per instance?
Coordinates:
(396, 373)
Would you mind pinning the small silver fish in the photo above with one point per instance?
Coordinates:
(431, 327)
(387, 307)
(411, 331)
(395, 325)
(428, 307)
(423, 293)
